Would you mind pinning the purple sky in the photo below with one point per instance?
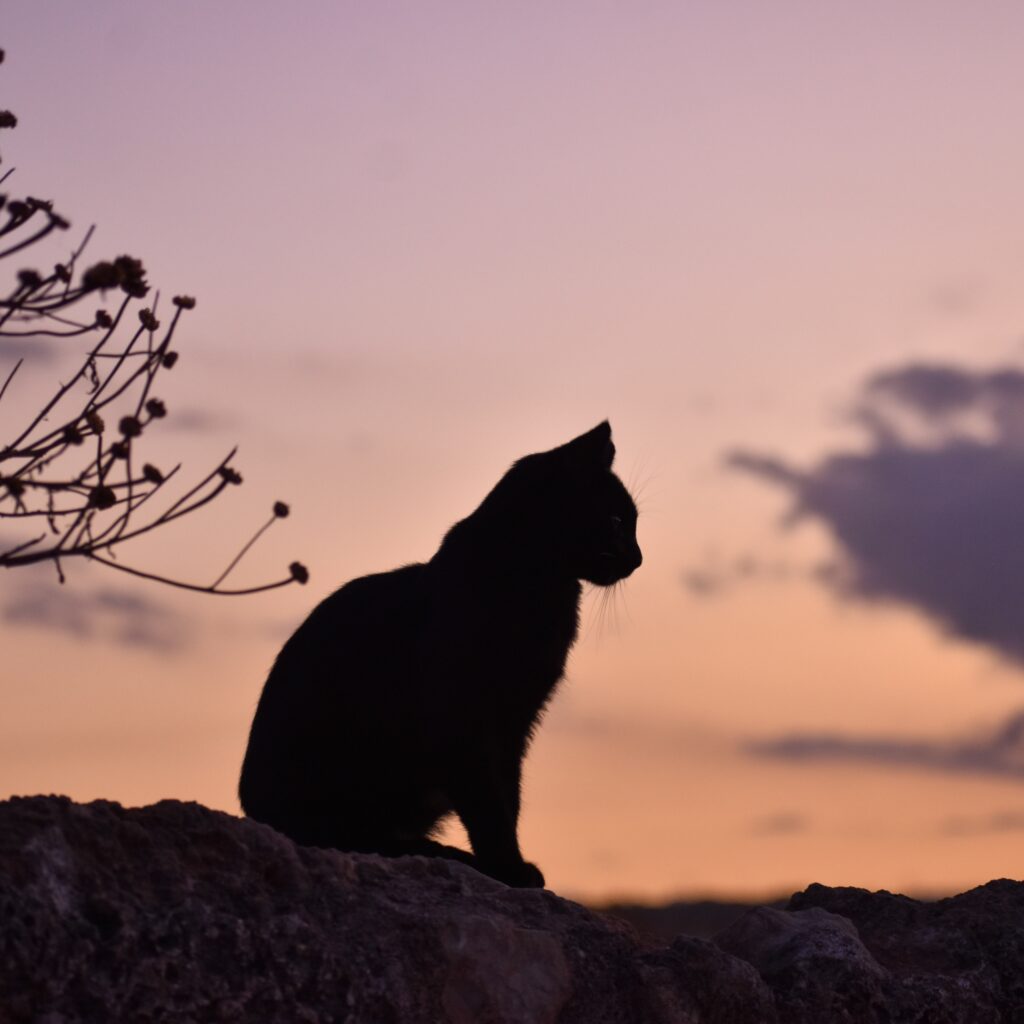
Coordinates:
(427, 239)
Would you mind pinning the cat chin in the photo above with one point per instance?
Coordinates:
(606, 578)
(609, 573)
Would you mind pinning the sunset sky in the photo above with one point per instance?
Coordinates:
(780, 247)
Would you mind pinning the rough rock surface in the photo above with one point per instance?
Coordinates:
(178, 913)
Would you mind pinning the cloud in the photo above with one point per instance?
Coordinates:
(999, 753)
(782, 824)
(930, 513)
(715, 577)
(103, 613)
(1002, 821)
(31, 348)
(195, 420)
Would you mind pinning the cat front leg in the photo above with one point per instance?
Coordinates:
(486, 799)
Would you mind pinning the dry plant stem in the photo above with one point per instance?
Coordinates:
(10, 377)
(106, 500)
(197, 587)
(241, 554)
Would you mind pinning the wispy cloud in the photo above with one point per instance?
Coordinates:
(31, 348)
(930, 512)
(195, 420)
(715, 577)
(998, 753)
(782, 824)
(1001, 821)
(104, 613)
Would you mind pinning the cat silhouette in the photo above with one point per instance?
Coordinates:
(409, 695)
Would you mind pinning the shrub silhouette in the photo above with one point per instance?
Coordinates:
(74, 477)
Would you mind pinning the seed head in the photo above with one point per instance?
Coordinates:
(102, 497)
(130, 426)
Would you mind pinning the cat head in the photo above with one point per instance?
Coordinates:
(601, 514)
(566, 509)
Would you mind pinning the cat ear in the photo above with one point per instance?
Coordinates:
(594, 447)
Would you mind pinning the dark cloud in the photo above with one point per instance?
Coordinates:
(930, 513)
(101, 613)
(1000, 753)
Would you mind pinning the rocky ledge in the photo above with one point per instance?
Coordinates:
(178, 913)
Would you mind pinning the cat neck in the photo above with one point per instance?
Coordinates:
(477, 549)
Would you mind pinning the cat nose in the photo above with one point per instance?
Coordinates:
(636, 557)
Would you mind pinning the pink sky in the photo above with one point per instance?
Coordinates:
(428, 239)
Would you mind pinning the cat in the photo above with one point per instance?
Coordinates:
(409, 695)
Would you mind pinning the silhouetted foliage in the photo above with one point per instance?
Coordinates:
(75, 471)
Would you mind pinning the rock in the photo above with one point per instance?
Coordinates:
(957, 959)
(178, 913)
(814, 962)
(694, 980)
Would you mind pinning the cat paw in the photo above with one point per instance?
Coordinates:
(523, 875)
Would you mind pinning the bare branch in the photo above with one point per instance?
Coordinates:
(76, 462)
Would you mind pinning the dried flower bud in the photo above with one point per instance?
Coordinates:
(7, 119)
(281, 509)
(184, 301)
(130, 426)
(14, 487)
(152, 474)
(62, 272)
(156, 408)
(17, 209)
(126, 273)
(299, 572)
(72, 435)
(120, 449)
(101, 275)
(30, 279)
(147, 320)
(170, 358)
(229, 475)
(132, 276)
(102, 496)
(103, 318)
(95, 421)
